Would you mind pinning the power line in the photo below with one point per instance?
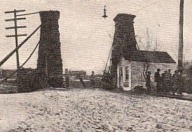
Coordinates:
(28, 14)
(146, 6)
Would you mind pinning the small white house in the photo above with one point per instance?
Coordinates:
(131, 66)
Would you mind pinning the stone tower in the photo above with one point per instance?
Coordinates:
(124, 39)
(49, 56)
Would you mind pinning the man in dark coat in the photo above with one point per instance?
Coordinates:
(158, 80)
(148, 82)
(92, 79)
(176, 82)
(163, 81)
(167, 81)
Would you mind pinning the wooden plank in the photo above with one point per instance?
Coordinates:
(15, 27)
(14, 11)
(23, 18)
(19, 35)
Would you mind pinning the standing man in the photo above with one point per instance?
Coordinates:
(176, 82)
(167, 81)
(92, 79)
(163, 81)
(148, 82)
(158, 80)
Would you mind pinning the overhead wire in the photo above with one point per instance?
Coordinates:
(146, 6)
(28, 14)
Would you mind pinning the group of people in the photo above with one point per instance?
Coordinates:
(165, 82)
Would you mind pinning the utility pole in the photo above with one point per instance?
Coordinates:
(15, 27)
(180, 53)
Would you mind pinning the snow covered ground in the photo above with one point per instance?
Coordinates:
(90, 110)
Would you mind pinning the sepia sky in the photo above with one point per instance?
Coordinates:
(86, 37)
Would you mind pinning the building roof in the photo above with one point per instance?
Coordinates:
(149, 56)
(124, 17)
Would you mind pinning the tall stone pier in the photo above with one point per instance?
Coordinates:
(124, 40)
(49, 56)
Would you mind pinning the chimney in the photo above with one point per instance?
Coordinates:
(49, 56)
(124, 39)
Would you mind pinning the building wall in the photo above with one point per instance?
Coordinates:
(136, 71)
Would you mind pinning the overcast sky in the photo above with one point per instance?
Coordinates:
(86, 37)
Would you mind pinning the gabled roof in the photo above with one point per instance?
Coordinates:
(149, 56)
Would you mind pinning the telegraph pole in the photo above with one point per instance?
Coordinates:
(15, 27)
(180, 53)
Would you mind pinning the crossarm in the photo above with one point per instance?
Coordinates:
(19, 46)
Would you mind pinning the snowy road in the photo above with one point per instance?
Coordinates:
(92, 110)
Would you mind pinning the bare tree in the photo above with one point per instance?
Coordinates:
(145, 69)
(148, 43)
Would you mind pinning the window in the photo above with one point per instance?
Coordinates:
(126, 72)
(120, 72)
